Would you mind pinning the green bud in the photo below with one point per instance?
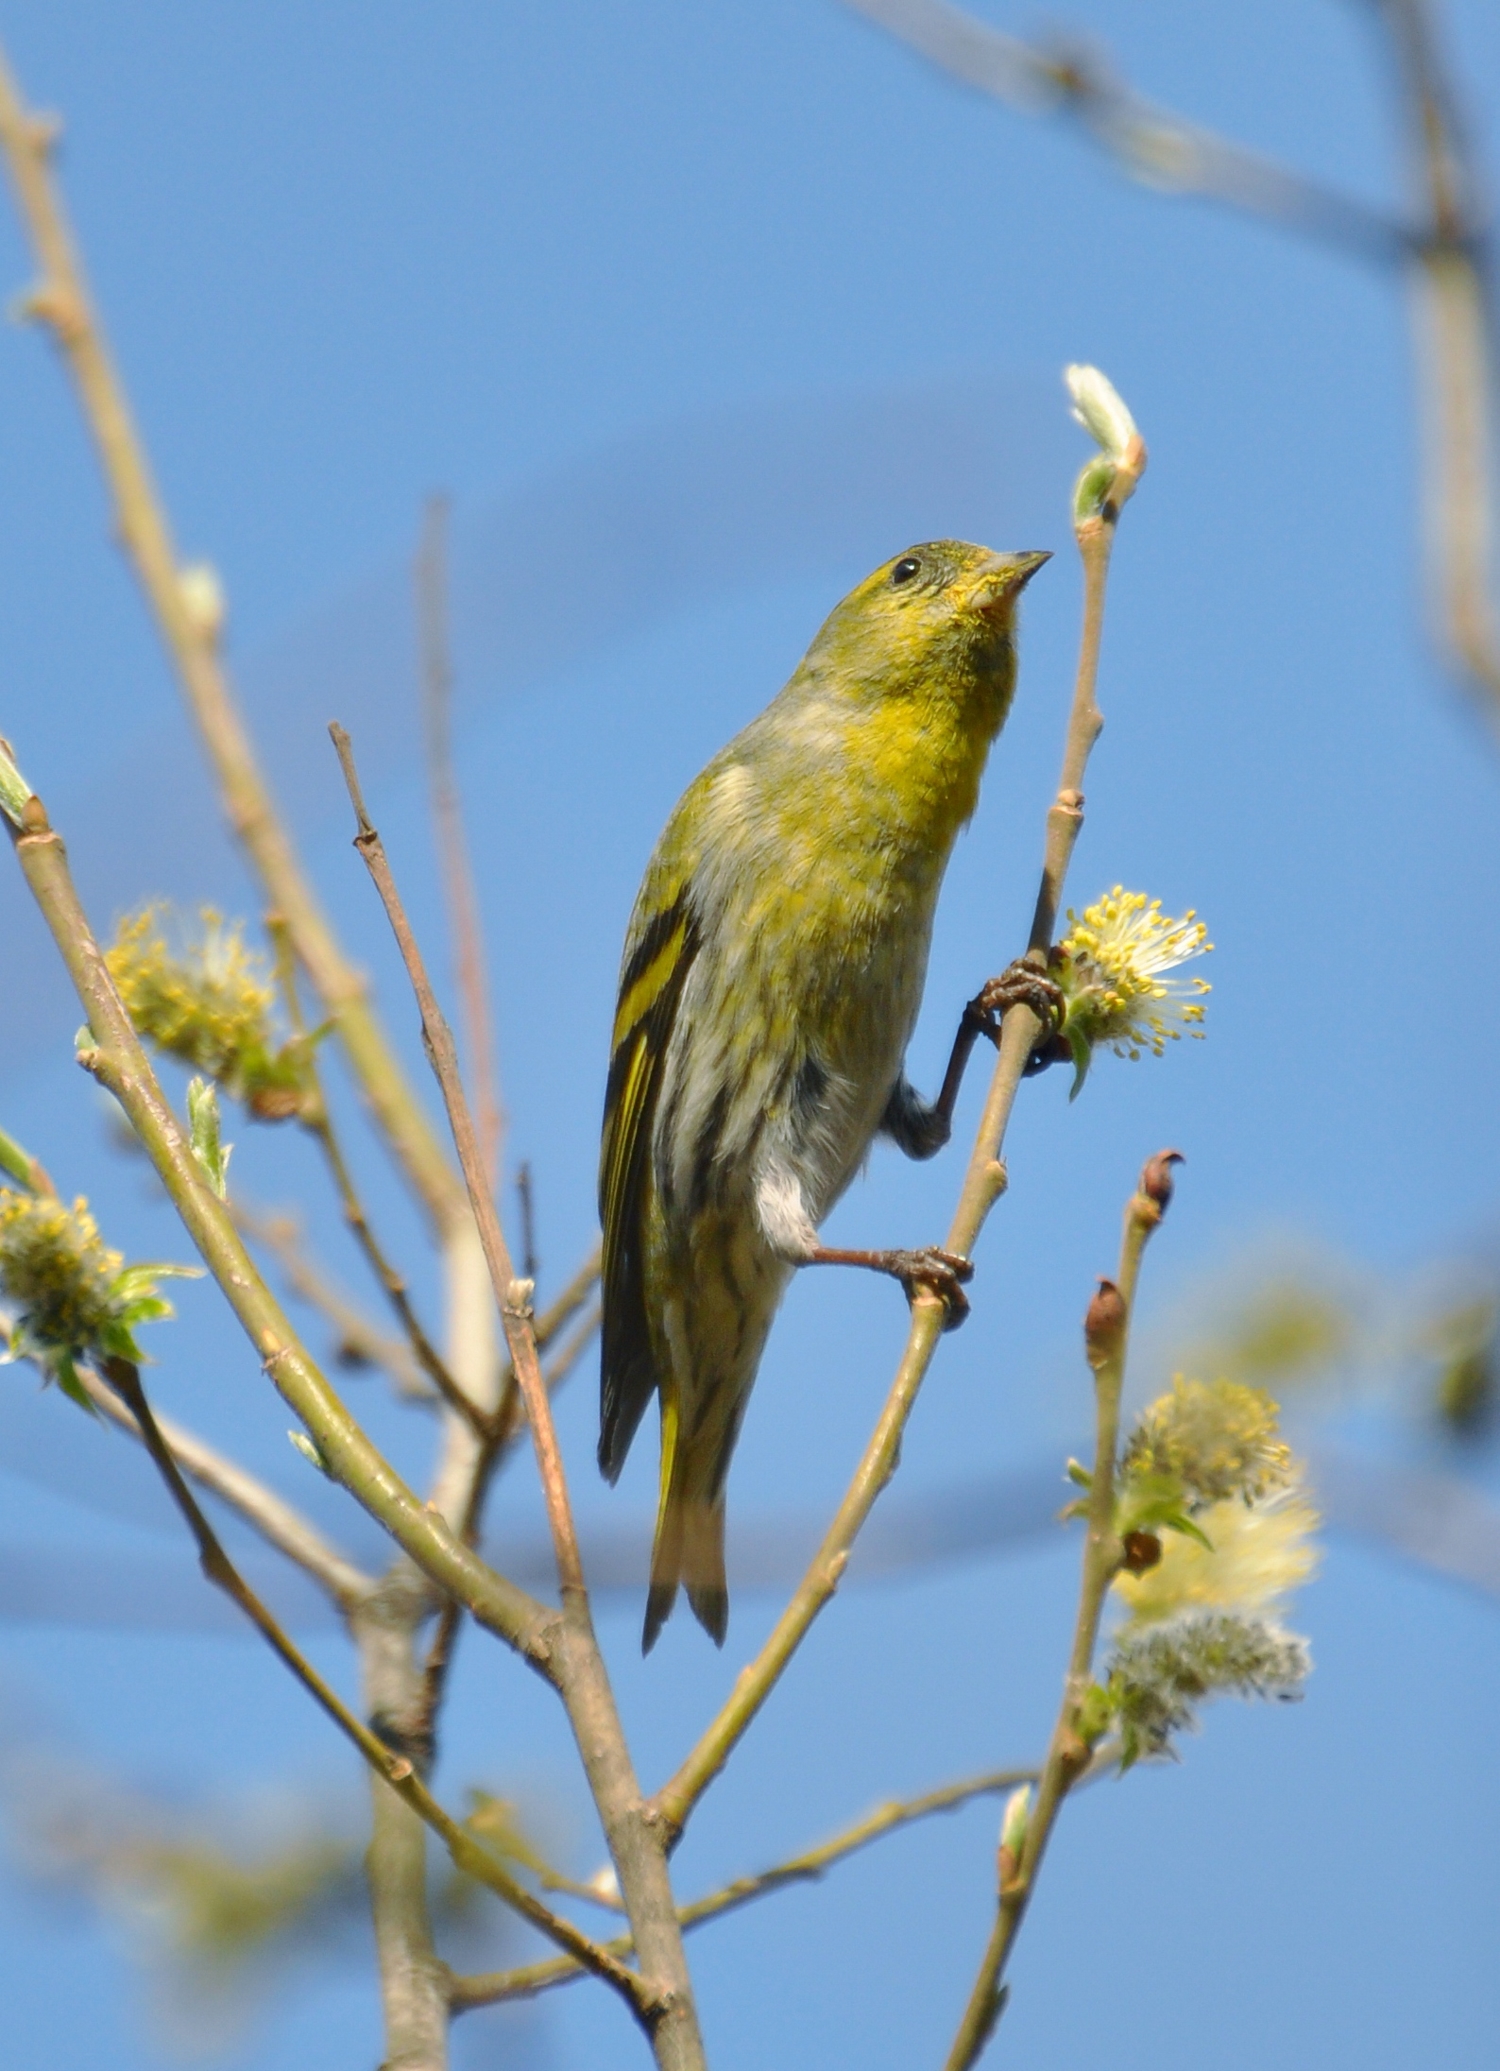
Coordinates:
(14, 789)
(1014, 1821)
(209, 1147)
(311, 1453)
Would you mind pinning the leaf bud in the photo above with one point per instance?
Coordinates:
(1104, 1325)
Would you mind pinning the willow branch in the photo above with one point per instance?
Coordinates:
(464, 922)
(1069, 1756)
(62, 302)
(984, 1182)
(117, 1059)
(1151, 143)
(527, 1981)
(277, 1521)
(468, 1853)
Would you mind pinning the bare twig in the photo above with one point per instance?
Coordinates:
(512, 1294)
(527, 1981)
(528, 1219)
(464, 921)
(1069, 1756)
(984, 1182)
(635, 1839)
(316, 1117)
(395, 1769)
(61, 301)
(318, 1122)
(501, 1433)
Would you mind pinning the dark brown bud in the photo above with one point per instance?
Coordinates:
(275, 1103)
(1104, 1325)
(1156, 1178)
(34, 817)
(1142, 1551)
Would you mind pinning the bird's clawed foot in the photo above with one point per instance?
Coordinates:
(1022, 984)
(932, 1271)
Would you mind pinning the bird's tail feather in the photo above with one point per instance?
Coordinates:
(689, 1545)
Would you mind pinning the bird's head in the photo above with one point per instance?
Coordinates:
(938, 619)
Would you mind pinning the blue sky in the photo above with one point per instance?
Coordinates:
(698, 314)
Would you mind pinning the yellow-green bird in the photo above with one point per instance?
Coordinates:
(770, 982)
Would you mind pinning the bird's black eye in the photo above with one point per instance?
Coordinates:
(905, 569)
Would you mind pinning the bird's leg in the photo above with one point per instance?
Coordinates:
(782, 1210)
(922, 1127)
(1021, 984)
(938, 1272)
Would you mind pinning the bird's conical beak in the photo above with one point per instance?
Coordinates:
(998, 585)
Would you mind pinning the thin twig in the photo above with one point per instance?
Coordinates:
(319, 1124)
(532, 1978)
(358, 1338)
(277, 1521)
(1069, 1756)
(984, 1182)
(636, 1843)
(467, 1851)
(501, 1434)
(529, 1265)
(464, 919)
(512, 1294)
(61, 301)
(316, 1118)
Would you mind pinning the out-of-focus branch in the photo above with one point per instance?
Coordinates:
(467, 1851)
(1150, 142)
(278, 1522)
(465, 924)
(532, 1978)
(1069, 1755)
(984, 1182)
(188, 616)
(1456, 356)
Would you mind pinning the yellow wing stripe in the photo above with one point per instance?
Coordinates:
(624, 1121)
(646, 989)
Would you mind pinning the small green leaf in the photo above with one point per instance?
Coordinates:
(209, 1147)
(1094, 1714)
(14, 789)
(1181, 1522)
(1083, 1054)
(66, 1375)
(1078, 1473)
(310, 1453)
